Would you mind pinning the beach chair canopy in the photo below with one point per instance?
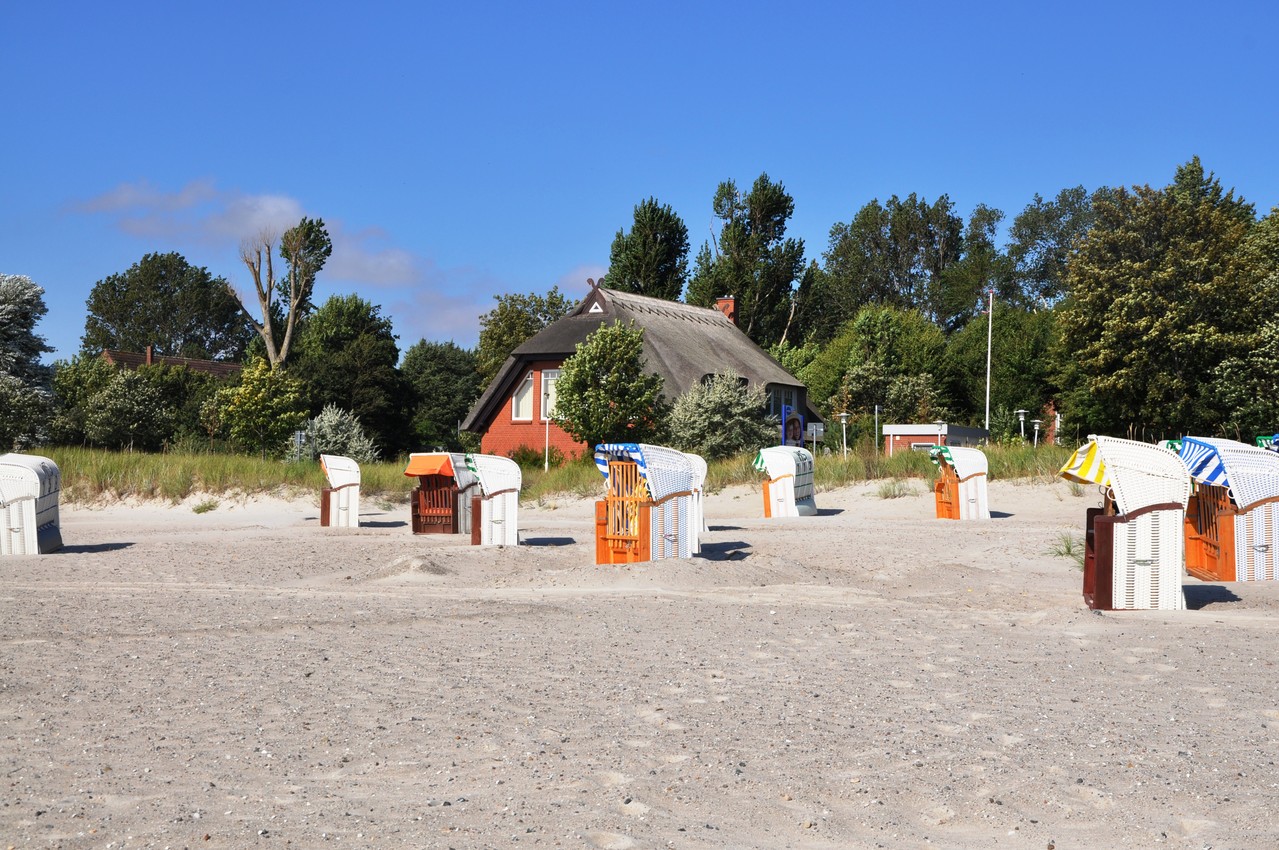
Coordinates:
(1137, 474)
(341, 471)
(699, 470)
(966, 462)
(1271, 442)
(1249, 473)
(429, 463)
(495, 474)
(776, 461)
(665, 471)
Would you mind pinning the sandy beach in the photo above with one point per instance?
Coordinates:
(870, 677)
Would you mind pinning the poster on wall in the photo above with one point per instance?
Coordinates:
(792, 427)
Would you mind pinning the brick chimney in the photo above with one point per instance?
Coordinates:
(727, 305)
(149, 352)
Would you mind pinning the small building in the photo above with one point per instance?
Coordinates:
(682, 343)
(907, 437)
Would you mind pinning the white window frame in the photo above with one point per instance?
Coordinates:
(527, 382)
(549, 377)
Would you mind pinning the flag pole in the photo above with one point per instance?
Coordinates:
(990, 327)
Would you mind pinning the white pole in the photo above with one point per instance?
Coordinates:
(546, 454)
(990, 326)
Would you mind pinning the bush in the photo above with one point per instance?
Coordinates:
(530, 457)
(337, 432)
(720, 418)
(129, 412)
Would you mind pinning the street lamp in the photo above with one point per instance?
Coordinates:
(940, 423)
(1021, 421)
(1036, 423)
(843, 426)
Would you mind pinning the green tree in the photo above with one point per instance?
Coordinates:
(605, 392)
(511, 322)
(1246, 384)
(1041, 239)
(752, 260)
(75, 382)
(853, 373)
(21, 308)
(263, 410)
(346, 356)
(128, 413)
(445, 384)
(1159, 296)
(960, 291)
(164, 302)
(1020, 364)
(284, 302)
(652, 259)
(721, 417)
(892, 254)
(24, 396)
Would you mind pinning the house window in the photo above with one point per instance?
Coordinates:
(549, 377)
(779, 397)
(522, 400)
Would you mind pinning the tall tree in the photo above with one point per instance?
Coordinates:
(284, 302)
(1041, 239)
(653, 258)
(24, 397)
(511, 322)
(164, 302)
(445, 384)
(605, 392)
(263, 410)
(891, 254)
(959, 292)
(752, 260)
(1159, 296)
(347, 357)
(21, 308)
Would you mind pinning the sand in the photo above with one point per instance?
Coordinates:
(870, 677)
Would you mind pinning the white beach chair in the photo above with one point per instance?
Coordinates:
(789, 490)
(30, 487)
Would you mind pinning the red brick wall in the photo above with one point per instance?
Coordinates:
(894, 443)
(504, 434)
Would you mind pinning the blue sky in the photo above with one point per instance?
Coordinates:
(458, 151)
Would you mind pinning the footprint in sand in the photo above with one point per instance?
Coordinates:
(657, 717)
(612, 841)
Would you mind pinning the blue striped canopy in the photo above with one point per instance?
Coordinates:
(1204, 462)
(605, 452)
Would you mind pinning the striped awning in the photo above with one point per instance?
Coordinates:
(1204, 462)
(759, 464)
(937, 454)
(1086, 467)
(606, 452)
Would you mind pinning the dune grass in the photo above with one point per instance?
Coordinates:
(90, 475)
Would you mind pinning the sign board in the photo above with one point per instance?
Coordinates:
(816, 430)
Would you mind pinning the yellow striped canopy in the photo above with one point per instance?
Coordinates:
(1086, 467)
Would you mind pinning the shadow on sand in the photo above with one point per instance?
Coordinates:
(1202, 595)
(725, 550)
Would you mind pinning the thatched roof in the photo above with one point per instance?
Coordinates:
(682, 343)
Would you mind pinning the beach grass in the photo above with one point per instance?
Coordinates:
(90, 474)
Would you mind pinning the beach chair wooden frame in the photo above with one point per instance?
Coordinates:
(960, 489)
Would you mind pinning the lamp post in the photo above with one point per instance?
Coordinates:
(843, 427)
(940, 425)
(1036, 422)
(877, 429)
(1021, 421)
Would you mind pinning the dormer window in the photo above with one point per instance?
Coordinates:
(522, 400)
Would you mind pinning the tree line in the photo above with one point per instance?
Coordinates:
(1145, 312)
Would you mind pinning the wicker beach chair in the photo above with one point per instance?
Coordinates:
(1134, 547)
(1232, 519)
(789, 489)
(960, 491)
(647, 513)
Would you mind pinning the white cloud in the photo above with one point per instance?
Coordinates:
(423, 300)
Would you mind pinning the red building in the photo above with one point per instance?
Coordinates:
(682, 343)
